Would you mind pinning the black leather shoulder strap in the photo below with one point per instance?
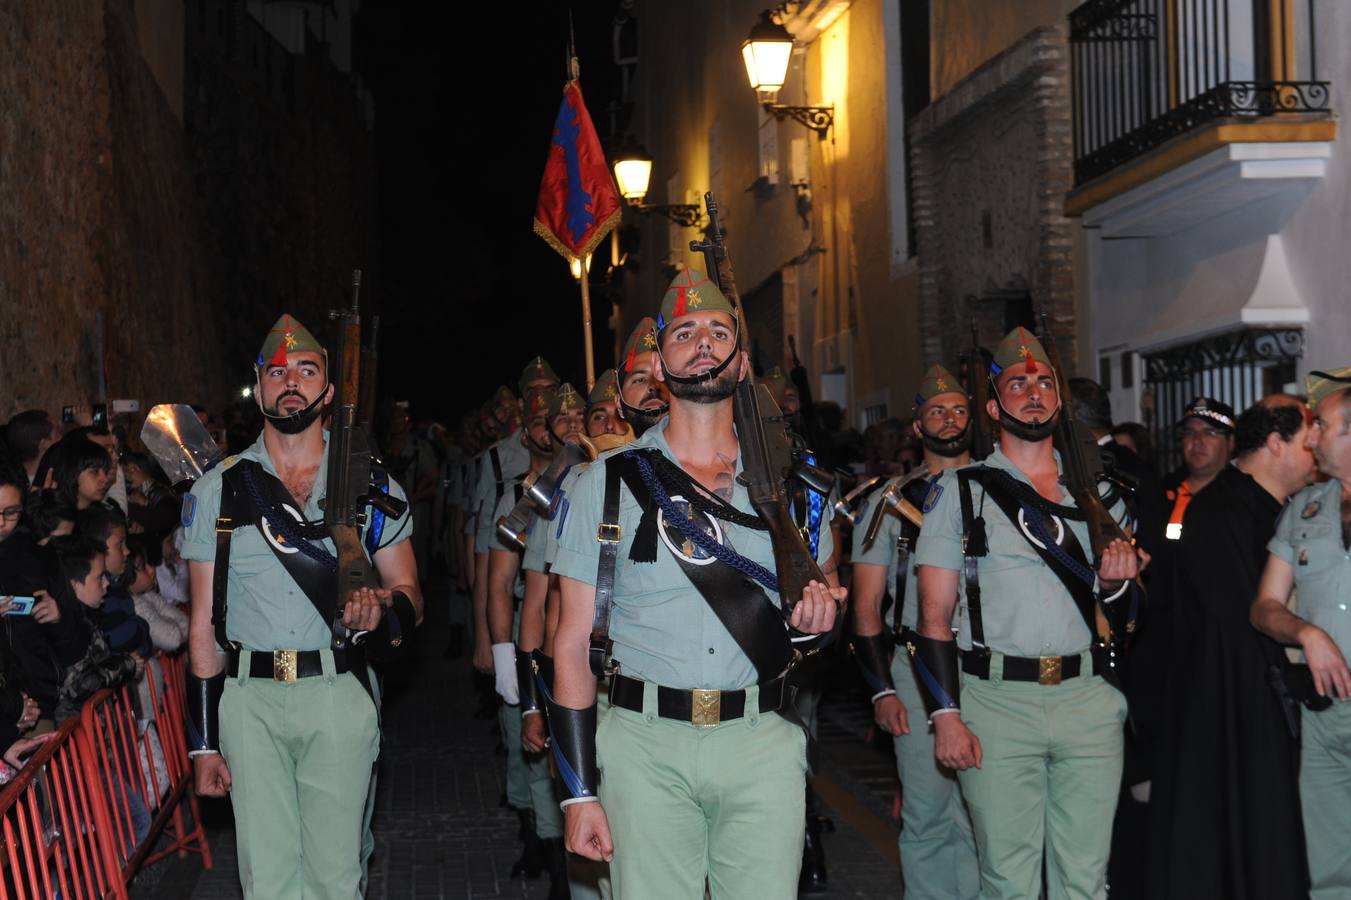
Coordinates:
(226, 522)
(973, 547)
(608, 534)
(498, 480)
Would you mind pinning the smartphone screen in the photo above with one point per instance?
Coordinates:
(21, 606)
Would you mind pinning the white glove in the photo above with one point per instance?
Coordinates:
(504, 667)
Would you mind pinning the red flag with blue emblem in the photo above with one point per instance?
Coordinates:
(578, 203)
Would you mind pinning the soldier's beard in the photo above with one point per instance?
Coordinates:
(713, 390)
(947, 447)
(298, 421)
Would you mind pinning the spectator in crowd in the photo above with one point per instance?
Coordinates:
(79, 470)
(126, 632)
(38, 646)
(172, 572)
(29, 434)
(48, 516)
(152, 507)
(1225, 818)
(168, 624)
(1135, 437)
(82, 564)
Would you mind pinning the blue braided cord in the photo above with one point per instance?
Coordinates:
(571, 780)
(1037, 525)
(698, 537)
(283, 527)
(377, 529)
(935, 689)
(875, 682)
(815, 503)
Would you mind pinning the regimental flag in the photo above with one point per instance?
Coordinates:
(578, 203)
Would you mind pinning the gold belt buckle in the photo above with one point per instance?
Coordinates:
(1048, 671)
(706, 708)
(284, 665)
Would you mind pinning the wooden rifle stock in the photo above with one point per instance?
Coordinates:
(349, 457)
(766, 448)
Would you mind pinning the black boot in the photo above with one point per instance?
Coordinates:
(813, 879)
(558, 869)
(532, 860)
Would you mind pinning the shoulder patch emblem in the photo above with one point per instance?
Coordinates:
(1311, 509)
(930, 501)
(189, 511)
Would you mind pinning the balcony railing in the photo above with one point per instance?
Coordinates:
(1146, 71)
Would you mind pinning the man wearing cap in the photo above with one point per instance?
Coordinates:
(282, 709)
(501, 462)
(700, 779)
(1223, 804)
(1310, 553)
(643, 400)
(527, 778)
(1031, 726)
(938, 853)
(1206, 434)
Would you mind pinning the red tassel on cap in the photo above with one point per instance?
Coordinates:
(679, 304)
(279, 358)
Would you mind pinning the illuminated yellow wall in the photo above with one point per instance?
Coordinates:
(968, 33)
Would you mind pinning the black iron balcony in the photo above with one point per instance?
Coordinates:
(1146, 71)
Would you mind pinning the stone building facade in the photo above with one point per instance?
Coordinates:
(170, 178)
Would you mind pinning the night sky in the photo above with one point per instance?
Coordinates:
(465, 103)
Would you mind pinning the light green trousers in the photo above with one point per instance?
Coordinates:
(938, 851)
(687, 804)
(1325, 794)
(1050, 778)
(300, 758)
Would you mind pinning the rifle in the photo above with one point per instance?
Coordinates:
(766, 446)
(349, 489)
(1081, 459)
(982, 438)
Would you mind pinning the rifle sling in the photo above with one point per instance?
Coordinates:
(973, 547)
(1084, 597)
(605, 572)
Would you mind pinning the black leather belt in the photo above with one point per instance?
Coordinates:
(1041, 669)
(698, 707)
(286, 665)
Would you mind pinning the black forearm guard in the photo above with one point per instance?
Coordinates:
(203, 704)
(936, 671)
(574, 743)
(811, 644)
(394, 631)
(525, 681)
(872, 652)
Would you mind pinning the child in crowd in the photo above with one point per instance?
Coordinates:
(168, 624)
(83, 565)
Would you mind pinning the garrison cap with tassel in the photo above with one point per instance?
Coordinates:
(937, 380)
(287, 336)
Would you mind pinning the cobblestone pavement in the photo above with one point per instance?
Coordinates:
(441, 833)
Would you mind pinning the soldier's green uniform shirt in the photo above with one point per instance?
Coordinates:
(532, 530)
(1309, 537)
(540, 554)
(662, 628)
(268, 610)
(515, 461)
(1030, 613)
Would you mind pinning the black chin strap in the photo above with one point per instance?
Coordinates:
(299, 414)
(1027, 429)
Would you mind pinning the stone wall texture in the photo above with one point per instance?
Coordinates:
(992, 162)
(142, 257)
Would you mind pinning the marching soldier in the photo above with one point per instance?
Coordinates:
(938, 854)
(643, 400)
(1309, 553)
(1031, 726)
(700, 781)
(282, 707)
(502, 461)
(541, 821)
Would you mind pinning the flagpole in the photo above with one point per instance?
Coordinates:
(586, 326)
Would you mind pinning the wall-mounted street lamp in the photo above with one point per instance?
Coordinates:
(766, 52)
(633, 171)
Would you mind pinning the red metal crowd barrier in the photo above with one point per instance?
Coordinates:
(87, 810)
